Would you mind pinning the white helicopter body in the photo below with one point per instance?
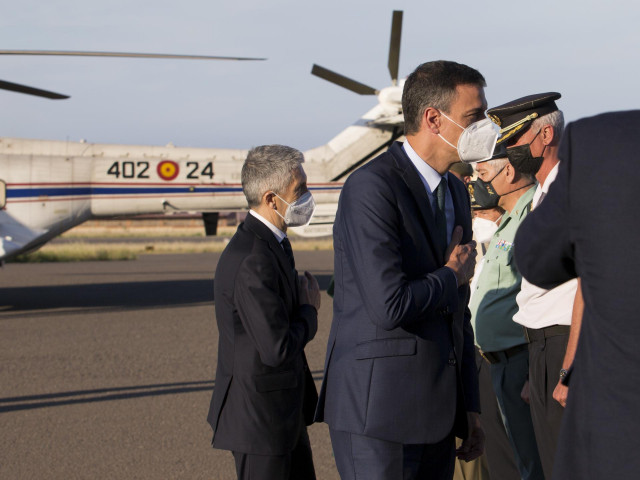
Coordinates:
(48, 187)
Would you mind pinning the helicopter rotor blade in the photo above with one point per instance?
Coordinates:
(341, 80)
(394, 45)
(121, 54)
(16, 87)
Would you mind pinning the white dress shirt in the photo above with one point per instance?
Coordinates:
(430, 179)
(537, 307)
(279, 234)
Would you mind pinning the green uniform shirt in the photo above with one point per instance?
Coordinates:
(493, 303)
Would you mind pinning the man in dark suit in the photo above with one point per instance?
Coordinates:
(400, 379)
(264, 394)
(584, 229)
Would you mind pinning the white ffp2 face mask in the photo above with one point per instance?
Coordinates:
(300, 211)
(484, 229)
(477, 141)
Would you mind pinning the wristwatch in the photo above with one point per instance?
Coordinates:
(563, 373)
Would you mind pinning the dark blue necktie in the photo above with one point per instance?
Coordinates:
(441, 218)
(286, 246)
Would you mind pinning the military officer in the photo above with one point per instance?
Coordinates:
(493, 304)
(531, 128)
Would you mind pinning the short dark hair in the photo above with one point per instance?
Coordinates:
(433, 84)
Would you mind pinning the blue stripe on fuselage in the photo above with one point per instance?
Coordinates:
(85, 191)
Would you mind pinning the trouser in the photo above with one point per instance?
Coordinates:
(509, 375)
(296, 465)
(364, 458)
(497, 462)
(545, 361)
(497, 448)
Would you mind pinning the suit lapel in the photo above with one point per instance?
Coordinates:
(263, 233)
(412, 179)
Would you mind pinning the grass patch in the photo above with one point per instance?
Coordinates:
(140, 230)
(49, 254)
(85, 252)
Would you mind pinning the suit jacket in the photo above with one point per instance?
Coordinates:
(262, 374)
(584, 228)
(400, 360)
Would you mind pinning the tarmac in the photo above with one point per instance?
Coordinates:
(107, 369)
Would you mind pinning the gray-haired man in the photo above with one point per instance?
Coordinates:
(264, 395)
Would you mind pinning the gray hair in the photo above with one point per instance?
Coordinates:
(500, 163)
(268, 168)
(497, 164)
(555, 119)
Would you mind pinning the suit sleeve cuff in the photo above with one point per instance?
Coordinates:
(309, 316)
(450, 297)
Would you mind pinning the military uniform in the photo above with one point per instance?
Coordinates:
(502, 341)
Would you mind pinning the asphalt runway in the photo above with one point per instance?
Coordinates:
(107, 368)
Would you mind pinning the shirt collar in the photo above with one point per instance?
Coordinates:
(279, 234)
(521, 207)
(550, 178)
(429, 176)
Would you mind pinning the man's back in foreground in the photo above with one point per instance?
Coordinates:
(585, 228)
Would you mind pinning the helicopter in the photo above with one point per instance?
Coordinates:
(48, 187)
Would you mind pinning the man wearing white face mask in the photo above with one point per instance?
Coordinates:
(264, 394)
(499, 456)
(400, 379)
(485, 224)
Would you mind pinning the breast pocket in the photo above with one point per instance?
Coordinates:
(507, 272)
(386, 347)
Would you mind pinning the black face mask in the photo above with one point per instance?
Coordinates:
(483, 192)
(522, 159)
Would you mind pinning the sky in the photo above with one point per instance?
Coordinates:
(587, 50)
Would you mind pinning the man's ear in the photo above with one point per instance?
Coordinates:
(431, 120)
(548, 134)
(510, 173)
(270, 199)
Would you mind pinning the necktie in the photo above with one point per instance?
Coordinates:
(441, 218)
(286, 246)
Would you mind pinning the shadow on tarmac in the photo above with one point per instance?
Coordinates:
(30, 402)
(113, 296)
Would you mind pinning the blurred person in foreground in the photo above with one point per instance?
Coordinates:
(400, 380)
(571, 234)
(264, 394)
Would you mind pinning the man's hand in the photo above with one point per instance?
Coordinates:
(524, 394)
(461, 258)
(560, 394)
(309, 290)
(473, 446)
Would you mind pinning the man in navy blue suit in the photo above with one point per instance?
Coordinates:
(585, 228)
(400, 378)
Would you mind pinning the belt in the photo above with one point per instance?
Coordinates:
(534, 334)
(496, 357)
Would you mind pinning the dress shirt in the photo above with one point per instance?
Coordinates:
(430, 179)
(537, 307)
(280, 235)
